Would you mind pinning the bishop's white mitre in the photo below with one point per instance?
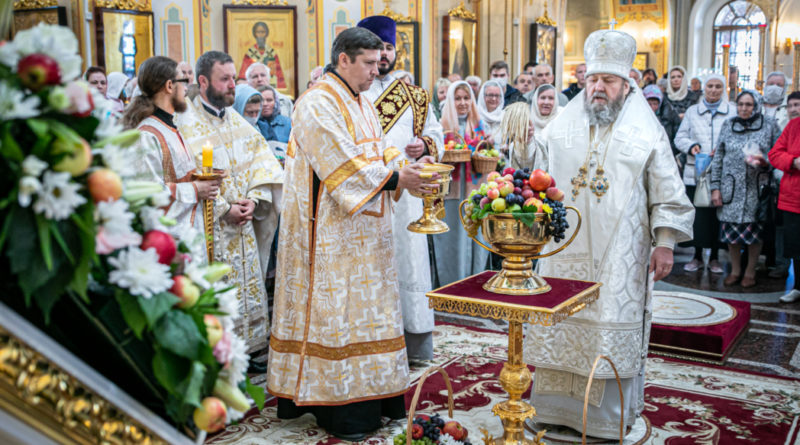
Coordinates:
(609, 51)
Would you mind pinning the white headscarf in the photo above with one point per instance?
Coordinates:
(681, 93)
(449, 119)
(539, 120)
(490, 117)
(116, 82)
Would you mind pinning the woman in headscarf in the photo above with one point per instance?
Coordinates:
(679, 96)
(738, 168)
(439, 95)
(457, 256)
(247, 102)
(544, 107)
(116, 86)
(490, 109)
(698, 135)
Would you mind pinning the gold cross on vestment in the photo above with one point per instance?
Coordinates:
(324, 244)
(361, 238)
(375, 368)
(293, 329)
(339, 378)
(284, 370)
(371, 326)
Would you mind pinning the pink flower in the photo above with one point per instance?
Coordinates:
(104, 243)
(80, 98)
(223, 351)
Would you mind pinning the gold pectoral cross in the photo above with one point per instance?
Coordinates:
(579, 181)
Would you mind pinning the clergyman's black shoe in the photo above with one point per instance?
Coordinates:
(354, 437)
(256, 368)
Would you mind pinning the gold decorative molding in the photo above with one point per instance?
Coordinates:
(545, 19)
(462, 12)
(261, 2)
(133, 5)
(387, 11)
(55, 403)
(34, 4)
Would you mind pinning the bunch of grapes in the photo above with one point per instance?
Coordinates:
(558, 220)
(400, 439)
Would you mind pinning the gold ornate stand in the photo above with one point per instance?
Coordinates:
(515, 376)
(208, 174)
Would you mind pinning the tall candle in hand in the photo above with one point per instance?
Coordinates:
(208, 156)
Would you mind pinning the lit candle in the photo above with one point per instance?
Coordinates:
(208, 155)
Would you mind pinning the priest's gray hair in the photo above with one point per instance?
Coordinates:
(607, 113)
(253, 66)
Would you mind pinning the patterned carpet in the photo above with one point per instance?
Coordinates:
(686, 403)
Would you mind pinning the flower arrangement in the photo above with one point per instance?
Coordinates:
(76, 234)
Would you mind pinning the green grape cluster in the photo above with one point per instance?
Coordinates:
(400, 439)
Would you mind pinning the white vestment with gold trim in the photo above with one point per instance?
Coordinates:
(613, 247)
(252, 173)
(337, 334)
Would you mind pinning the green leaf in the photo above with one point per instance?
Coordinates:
(6, 225)
(256, 393)
(526, 218)
(39, 127)
(156, 306)
(9, 148)
(177, 332)
(131, 312)
(60, 240)
(190, 388)
(43, 227)
(169, 369)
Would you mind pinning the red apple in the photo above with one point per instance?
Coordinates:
(537, 204)
(485, 200)
(508, 171)
(555, 194)
(77, 161)
(527, 193)
(492, 176)
(540, 180)
(213, 329)
(184, 289)
(416, 431)
(38, 70)
(104, 185)
(508, 178)
(424, 417)
(506, 188)
(211, 415)
(493, 193)
(552, 181)
(455, 430)
(163, 243)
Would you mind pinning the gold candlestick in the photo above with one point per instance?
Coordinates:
(762, 31)
(796, 66)
(726, 69)
(209, 174)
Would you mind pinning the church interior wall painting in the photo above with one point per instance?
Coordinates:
(124, 39)
(408, 48)
(28, 18)
(173, 34)
(266, 34)
(543, 44)
(459, 38)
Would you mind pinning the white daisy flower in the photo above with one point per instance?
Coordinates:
(140, 272)
(58, 197)
(161, 199)
(151, 219)
(119, 159)
(115, 231)
(28, 185)
(8, 55)
(227, 301)
(239, 361)
(14, 104)
(57, 42)
(33, 166)
(446, 439)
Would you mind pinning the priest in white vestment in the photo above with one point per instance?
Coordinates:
(612, 158)
(246, 209)
(162, 156)
(408, 123)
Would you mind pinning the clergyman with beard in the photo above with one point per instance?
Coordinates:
(612, 157)
(163, 156)
(246, 208)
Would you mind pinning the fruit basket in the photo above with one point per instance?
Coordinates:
(430, 430)
(485, 158)
(456, 149)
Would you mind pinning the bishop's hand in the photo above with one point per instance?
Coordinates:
(661, 262)
(413, 178)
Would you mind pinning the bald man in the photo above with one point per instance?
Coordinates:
(542, 74)
(185, 71)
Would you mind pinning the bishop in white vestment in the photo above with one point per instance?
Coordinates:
(409, 123)
(612, 158)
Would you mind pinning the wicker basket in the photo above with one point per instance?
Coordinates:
(414, 400)
(586, 399)
(456, 156)
(484, 164)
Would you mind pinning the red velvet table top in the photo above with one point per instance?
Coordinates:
(468, 297)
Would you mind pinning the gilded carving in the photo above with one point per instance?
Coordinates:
(34, 4)
(387, 11)
(545, 19)
(261, 2)
(462, 12)
(133, 5)
(47, 396)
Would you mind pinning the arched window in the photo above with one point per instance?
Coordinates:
(742, 25)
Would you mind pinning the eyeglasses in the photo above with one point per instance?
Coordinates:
(184, 80)
(492, 96)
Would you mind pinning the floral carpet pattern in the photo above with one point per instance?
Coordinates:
(685, 403)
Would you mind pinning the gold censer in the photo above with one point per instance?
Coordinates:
(519, 245)
(433, 203)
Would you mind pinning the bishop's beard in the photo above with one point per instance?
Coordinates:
(603, 114)
(261, 42)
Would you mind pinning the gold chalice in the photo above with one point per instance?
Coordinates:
(429, 223)
(519, 245)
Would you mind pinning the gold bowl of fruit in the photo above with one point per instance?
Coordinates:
(519, 213)
(432, 203)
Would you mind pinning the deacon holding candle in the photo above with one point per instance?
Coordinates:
(246, 210)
